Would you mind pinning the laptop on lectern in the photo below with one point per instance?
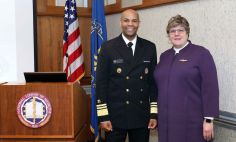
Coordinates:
(45, 76)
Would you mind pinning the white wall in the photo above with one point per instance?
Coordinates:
(212, 24)
(7, 41)
(16, 39)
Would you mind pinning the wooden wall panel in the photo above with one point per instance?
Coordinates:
(85, 28)
(50, 36)
(41, 5)
(50, 47)
(51, 2)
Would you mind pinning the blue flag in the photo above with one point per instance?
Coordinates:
(98, 36)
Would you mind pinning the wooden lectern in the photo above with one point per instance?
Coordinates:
(69, 117)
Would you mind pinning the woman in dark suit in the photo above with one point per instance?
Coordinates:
(188, 94)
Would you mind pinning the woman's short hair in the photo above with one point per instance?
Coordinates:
(178, 20)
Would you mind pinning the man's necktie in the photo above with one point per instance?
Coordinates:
(130, 49)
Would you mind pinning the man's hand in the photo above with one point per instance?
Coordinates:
(152, 124)
(208, 132)
(106, 126)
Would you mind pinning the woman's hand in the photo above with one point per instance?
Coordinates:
(208, 131)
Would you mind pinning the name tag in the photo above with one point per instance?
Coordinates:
(118, 61)
(145, 61)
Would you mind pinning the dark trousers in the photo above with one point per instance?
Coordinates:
(135, 135)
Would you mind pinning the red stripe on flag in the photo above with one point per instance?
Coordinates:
(71, 39)
(73, 36)
(65, 47)
(76, 54)
(79, 73)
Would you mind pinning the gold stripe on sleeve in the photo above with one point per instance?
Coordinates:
(153, 107)
(102, 109)
(102, 112)
(153, 110)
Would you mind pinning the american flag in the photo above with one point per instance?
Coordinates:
(73, 60)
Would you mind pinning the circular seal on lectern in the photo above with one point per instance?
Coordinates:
(34, 110)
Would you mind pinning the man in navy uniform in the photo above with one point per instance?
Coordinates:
(125, 87)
